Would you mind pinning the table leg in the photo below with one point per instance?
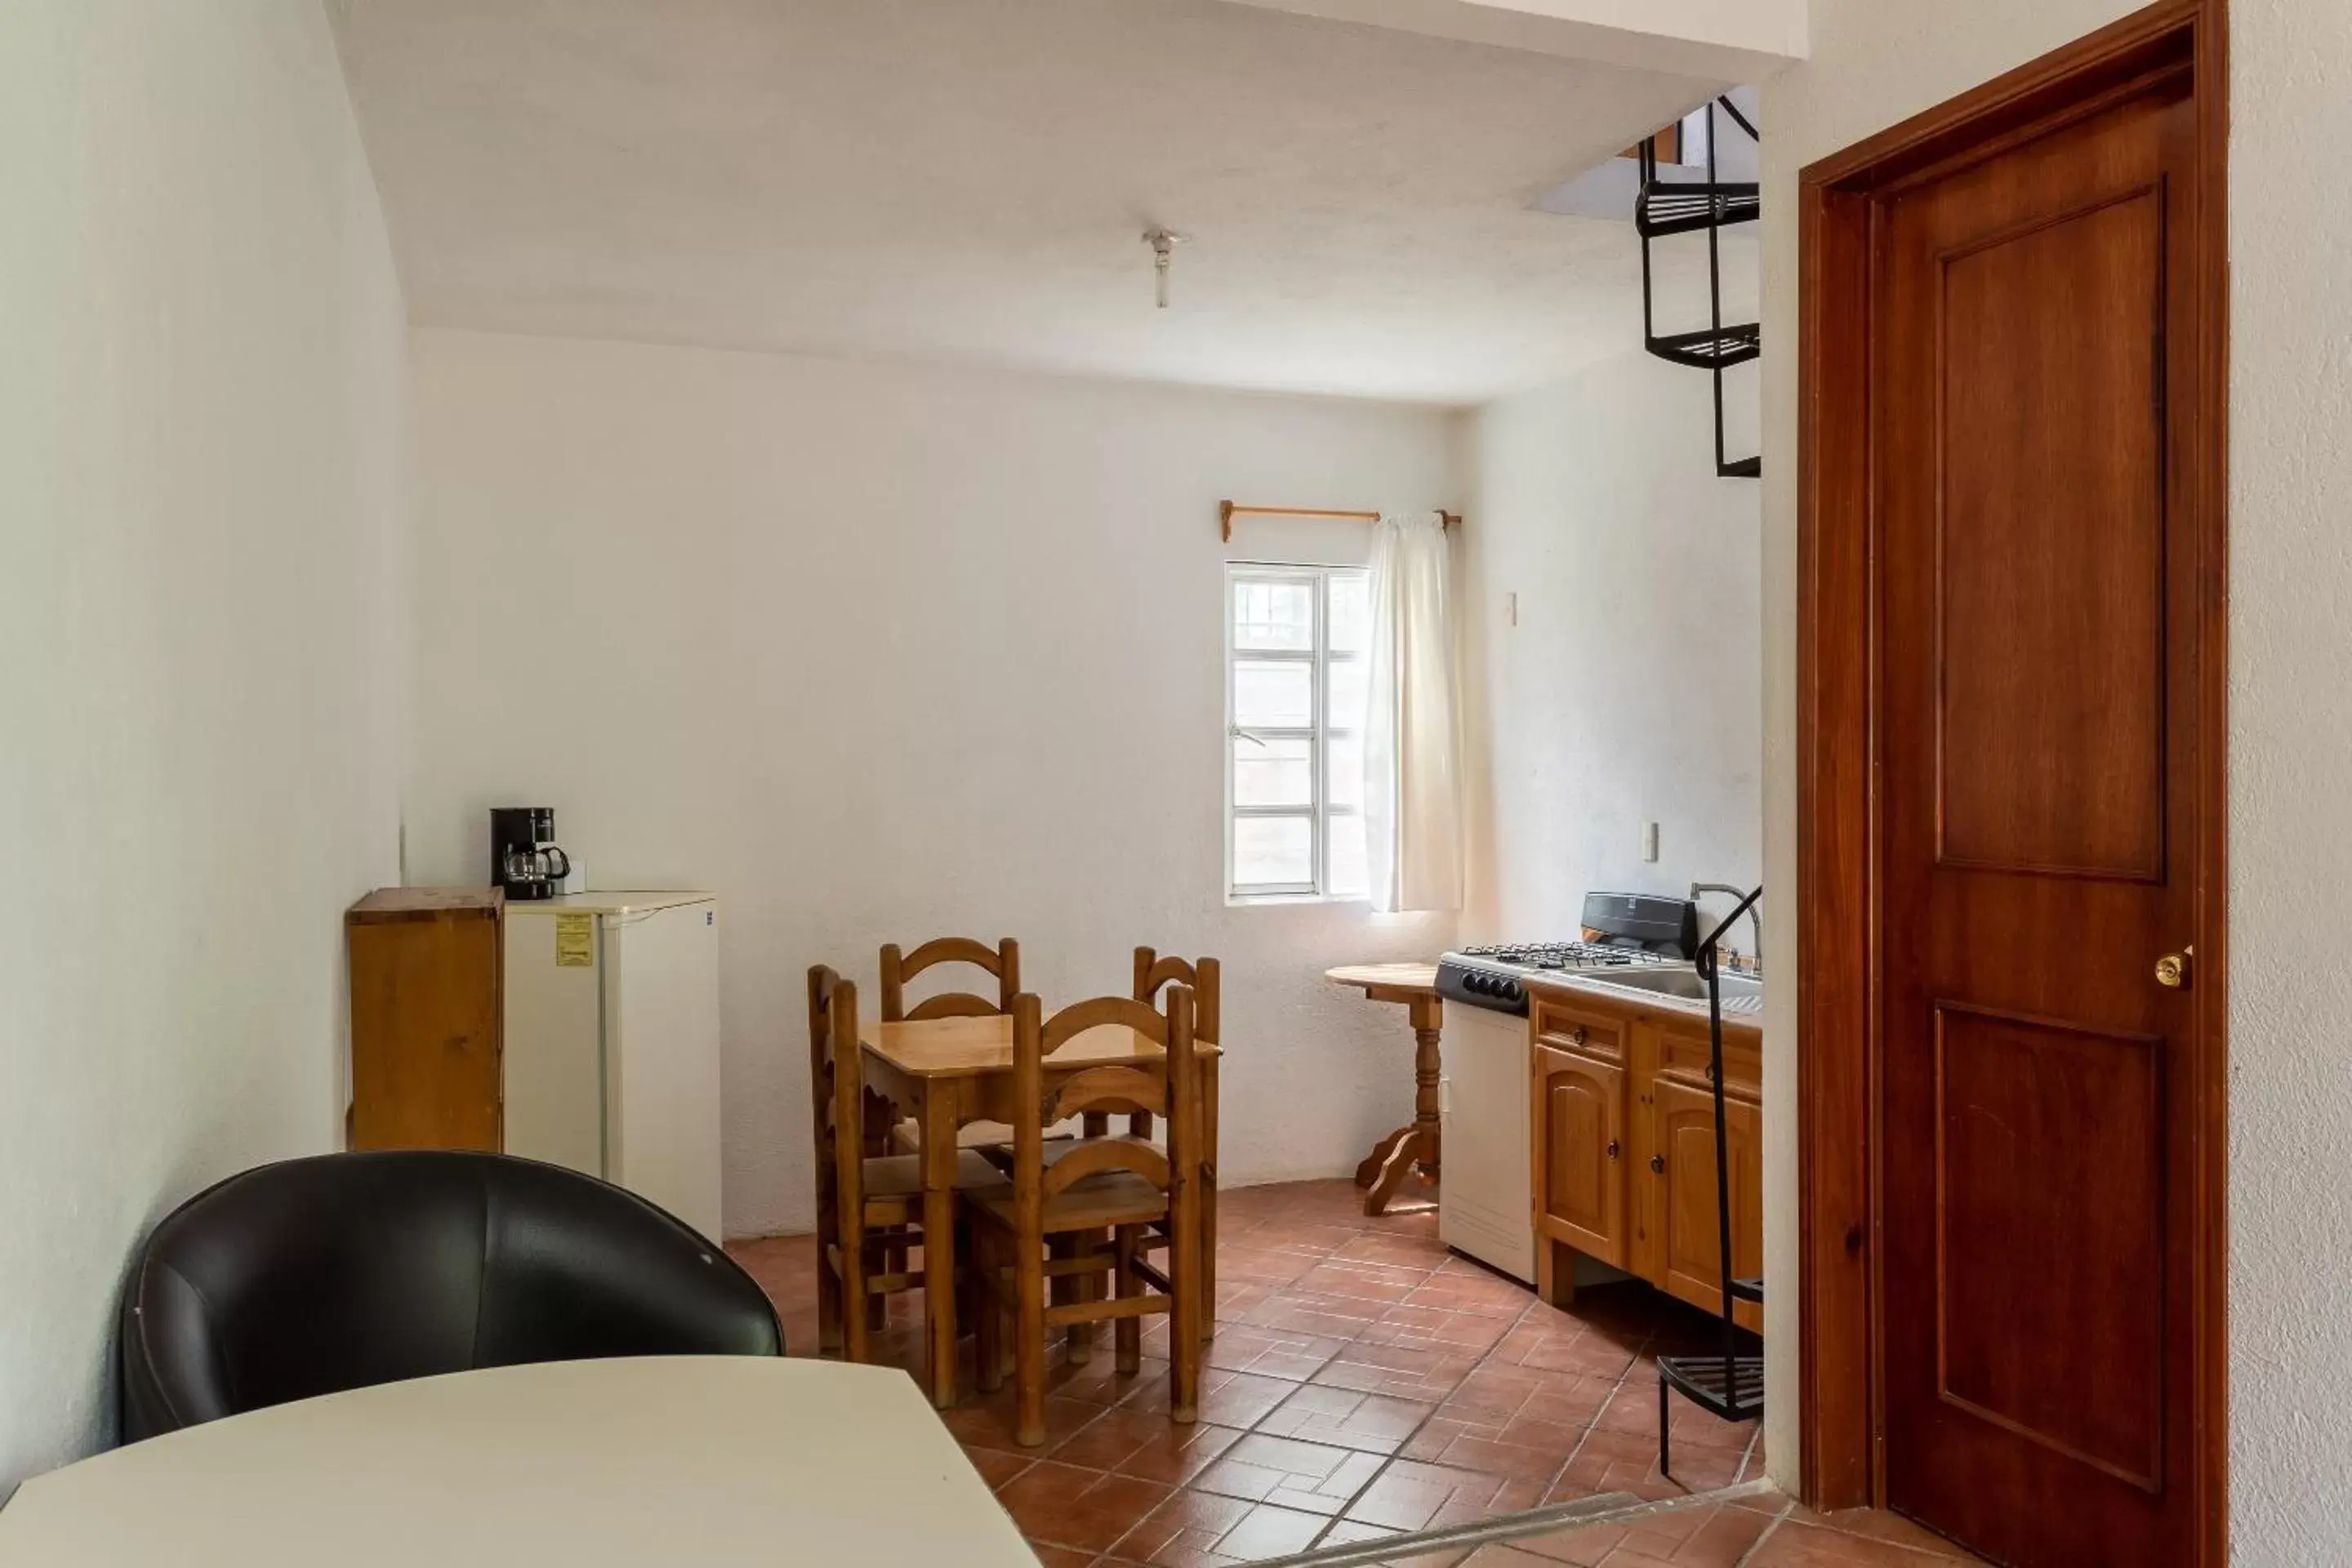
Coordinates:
(1427, 1014)
(1415, 1147)
(1368, 1169)
(939, 1146)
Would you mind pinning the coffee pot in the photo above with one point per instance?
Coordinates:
(525, 859)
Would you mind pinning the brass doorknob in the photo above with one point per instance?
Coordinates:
(2172, 969)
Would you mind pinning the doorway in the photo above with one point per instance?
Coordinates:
(2011, 686)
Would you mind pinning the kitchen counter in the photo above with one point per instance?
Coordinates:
(1744, 1014)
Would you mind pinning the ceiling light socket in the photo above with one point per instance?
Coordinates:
(1163, 243)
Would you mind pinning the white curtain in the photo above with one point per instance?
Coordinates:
(1413, 767)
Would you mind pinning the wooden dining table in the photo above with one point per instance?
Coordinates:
(946, 1072)
(1416, 1146)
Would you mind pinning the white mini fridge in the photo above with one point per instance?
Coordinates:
(612, 1042)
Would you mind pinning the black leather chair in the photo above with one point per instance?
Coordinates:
(342, 1270)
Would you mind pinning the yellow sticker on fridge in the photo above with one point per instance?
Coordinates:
(575, 941)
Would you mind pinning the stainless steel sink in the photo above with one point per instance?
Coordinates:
(1686, 983)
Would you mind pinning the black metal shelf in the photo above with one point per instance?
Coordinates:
(1724, 1383)
(1668, 207)
(1717, 347)
(1664, 208)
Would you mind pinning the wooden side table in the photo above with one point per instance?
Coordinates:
(1414, 1145)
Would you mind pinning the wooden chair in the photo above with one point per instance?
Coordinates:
(1206, 980)
(870, 1205)
(1120, 1185)
(898, 968)
(991, 1139)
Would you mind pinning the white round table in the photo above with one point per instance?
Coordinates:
(597, 1463)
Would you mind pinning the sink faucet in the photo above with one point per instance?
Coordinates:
(1755, 910)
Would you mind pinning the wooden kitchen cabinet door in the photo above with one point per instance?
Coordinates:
(1580, 1154)
(1681, 1176)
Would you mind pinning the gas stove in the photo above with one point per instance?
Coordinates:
(1622, 930)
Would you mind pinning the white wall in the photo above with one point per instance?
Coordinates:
(2290, 754)
(2290, 742)
(1628, 692)
(882, 653)
(200, 494)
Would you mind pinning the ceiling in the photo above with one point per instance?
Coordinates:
(968, 180)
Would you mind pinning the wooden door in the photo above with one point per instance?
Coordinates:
(1689, 1259)
(1580, 1176)
(2037, 740)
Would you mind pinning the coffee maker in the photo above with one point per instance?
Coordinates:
(524, 857)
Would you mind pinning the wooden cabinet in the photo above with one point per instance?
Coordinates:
(1579, 1181)
(425, 1024)
(1685, 1255)
(1624, 1147)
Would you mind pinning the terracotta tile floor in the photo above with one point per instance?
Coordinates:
(1764, 1530)
(1364, 1382)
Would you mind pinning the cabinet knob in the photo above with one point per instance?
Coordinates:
(1613, 1148)
(1658, 1163)
(1579, 1036)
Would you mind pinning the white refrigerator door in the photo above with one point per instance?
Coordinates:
(661, 1058)
(554, 1068)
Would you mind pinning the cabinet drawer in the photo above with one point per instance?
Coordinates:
(1684, 1056)
(1568, 1028)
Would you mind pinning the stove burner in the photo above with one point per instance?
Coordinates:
(1551, 955)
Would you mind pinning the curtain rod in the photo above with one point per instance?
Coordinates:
(1228, 510)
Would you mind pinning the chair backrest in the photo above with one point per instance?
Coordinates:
(1169, 1089)
(340, 1271)
(1207, 981)
(832, 1046)
(822, 983)
(1004, 962)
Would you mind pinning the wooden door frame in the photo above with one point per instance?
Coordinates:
(1840, 1410)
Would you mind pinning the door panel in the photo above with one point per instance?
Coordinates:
(2024, 1110)
(2053, 633)
(2036, 748)
(1583, 1177)
(1691, 1247)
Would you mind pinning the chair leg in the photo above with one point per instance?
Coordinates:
(1126, 1333)
(1209, 1257)
(828, 1305)
(988, 1316)
(1029, 1348)
(828, 1285)
(1068, 1288)
(1090, 1287)
(1185, 1321)
(894, 1261)
(858, 1324)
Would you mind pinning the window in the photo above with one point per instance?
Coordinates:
(1295, 645)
